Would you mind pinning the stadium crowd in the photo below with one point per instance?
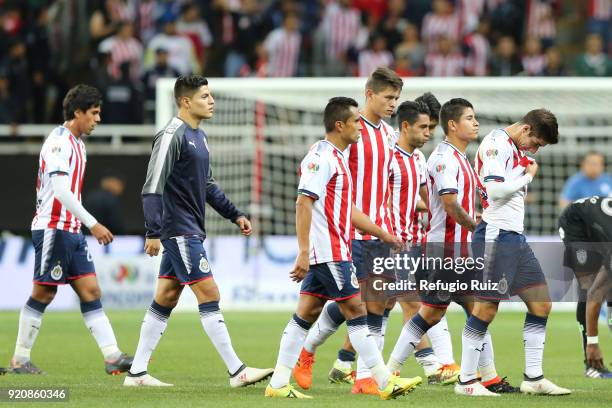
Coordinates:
(123, 46)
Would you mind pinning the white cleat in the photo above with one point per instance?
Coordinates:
(144, 380)
(473, 389)
(250, 375)
(543, 387)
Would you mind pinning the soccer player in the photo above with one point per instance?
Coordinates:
(368, 161)
(506, 171)
(585, 227)
(324, 214)
(452, 187)
(179, 183)
(61, 252)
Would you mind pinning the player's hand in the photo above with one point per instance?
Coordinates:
(395, 242)
(478, 217)
(102, 234)
(532, 168)
(152, 246)
(245, 225)
(593, 356)
(302, 264)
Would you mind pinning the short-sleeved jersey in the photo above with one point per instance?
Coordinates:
(588, 220)
(369, 162)
(449, 172)
(408, 173)
(499, 159)
(61, 153)
(325, 177)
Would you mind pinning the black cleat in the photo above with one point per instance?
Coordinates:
(118, 366)
(3, 370)
(24, 368)
(502, 387)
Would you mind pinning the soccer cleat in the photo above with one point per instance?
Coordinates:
(302, 372)
(365, 386)
(448, 374)
(120, 365)
(543, 387)
(24, 368)
(2, 370)
(500, 386)
(144, 380)
(341, 375)
(249, 375)
(286, 392)
(603, 373)
(473, 389)
(397, 386)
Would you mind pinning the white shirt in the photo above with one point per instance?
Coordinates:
(325, 177)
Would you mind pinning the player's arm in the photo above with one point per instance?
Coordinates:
(363, 223)
(422, 204)
(163, 156)
(303, 219)
(456, 212)
(497, 189)
(223, 206)
(595, 296)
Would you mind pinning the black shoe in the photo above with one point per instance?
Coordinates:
(502, 387)
(118, 366)
(3, 370)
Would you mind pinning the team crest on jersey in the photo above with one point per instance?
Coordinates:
(204, 265)
(492, 152)
(312, 167)
(57, 272)
(581, 256)
(440, 168)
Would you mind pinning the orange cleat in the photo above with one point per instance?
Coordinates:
(365, 386)
(302, 372)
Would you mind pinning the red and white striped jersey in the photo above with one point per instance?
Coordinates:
(370, 60)
(408, 173)
(477, 58)
(449, 172)
(369, 161)
(541, 19)
(341, 28)
(440, 65)
(534, 65)
(61, 153)
(437, 25)
(283, 49)
(470, 12)
(324, 176)
(600, 9)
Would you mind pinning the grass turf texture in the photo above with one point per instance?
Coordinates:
(186, 358)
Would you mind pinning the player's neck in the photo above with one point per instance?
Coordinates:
(402, 143)
(459, 144)
(194, 123)
(514, 131)
(73, 128)
(370, 116)
(336, 141)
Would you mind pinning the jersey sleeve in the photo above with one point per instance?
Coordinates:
(494, 153)
(315, 173)
(422, 168)
(57, 157)
(444, 174)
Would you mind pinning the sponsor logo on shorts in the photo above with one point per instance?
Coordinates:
(57, 272)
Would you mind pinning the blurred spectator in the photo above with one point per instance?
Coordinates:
(470, 13)
(393, 23)
(106, 19)
(541, 20)
(376, 55)
(224, 32)
(39, 55)
(554, 63)
(122, 99)
(599, 14)
(446, 61)
(591, 180)
(105, 204)
(17, 73)
(477, 50)
(594, 62)
(181, 54)
(145, 19)
(410, 53)
(442, 21)
(248, 30)
(161, 69)
(339, 31)
(505, 62)
(6, 111)
(123, 48)
(282, 47)
(533, 60)
(193, 27)
(374, 8)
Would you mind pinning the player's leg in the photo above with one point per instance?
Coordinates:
(596, 295)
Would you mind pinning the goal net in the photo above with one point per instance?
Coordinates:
(262, 128)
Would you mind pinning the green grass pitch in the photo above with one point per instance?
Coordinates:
(186, 358)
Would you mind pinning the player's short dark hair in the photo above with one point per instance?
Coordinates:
(337, 109)
(543, 125)
(81, 97)
(432, 103)
(409, 111)
(452, 110)
(383, 78)
(187, 85)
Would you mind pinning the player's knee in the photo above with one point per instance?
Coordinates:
(168, 298)
(540, 308)
(44, 294)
